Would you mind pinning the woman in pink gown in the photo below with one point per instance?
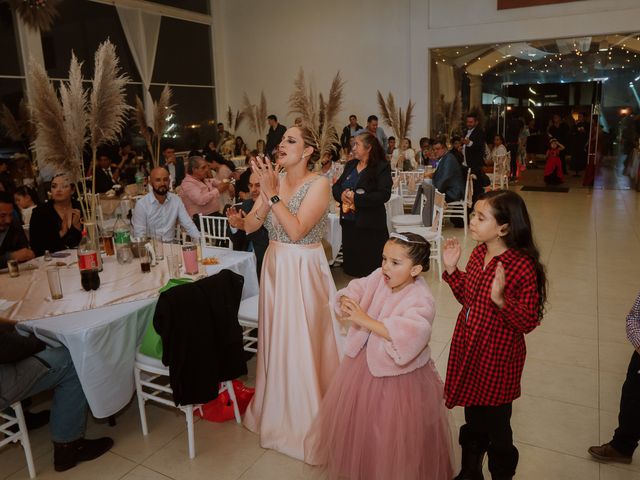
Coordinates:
(297, 348)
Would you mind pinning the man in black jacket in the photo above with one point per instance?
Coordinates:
(28, 368)
(257, 241)
(474, 146)
(274, 135)
(349, 131)
(13, 241)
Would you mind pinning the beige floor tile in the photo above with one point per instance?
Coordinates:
(557, 426)
(12, 457)
(571, 324)
(275, 466)
(614, 357)
(223, 450)
(144, 473)
(565, 383)
(610, 472)
(107, 467)
(562, 349)
(612, 329)
(571, 302)
(538, 463)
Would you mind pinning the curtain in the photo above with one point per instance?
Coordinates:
(142, 30)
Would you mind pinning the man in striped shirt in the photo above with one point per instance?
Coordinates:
(625, 439)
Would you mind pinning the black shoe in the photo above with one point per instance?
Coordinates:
(33, 420)
(67, 455)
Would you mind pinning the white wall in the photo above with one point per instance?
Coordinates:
(378, 44)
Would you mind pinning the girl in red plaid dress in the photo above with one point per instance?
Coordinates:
(502, 293)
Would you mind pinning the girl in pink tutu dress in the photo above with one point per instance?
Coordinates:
(383, 416)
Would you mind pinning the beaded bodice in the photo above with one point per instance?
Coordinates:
(277, 232)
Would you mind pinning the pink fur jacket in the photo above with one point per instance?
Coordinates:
(408, 315)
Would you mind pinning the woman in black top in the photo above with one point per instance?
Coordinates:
(362, 190)
(56, 225)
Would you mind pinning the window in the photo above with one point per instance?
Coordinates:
(10, 64)
(184, 53)
(200, 6)
(82, 27)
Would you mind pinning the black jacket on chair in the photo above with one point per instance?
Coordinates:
(201, 337)
(376, 184)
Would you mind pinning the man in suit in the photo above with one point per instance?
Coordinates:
(257, 241)
(349, 131)
(448, 177)
(173, 165)
(474, 146)
(274, 135)
(106, 175)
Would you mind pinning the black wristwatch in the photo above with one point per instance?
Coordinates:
(273, 200)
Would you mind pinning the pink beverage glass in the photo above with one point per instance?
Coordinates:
(190, 256)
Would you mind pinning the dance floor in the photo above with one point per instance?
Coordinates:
(577, 360)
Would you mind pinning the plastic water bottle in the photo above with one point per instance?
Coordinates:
(122, 240)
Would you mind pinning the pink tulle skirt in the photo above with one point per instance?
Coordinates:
(382, 428)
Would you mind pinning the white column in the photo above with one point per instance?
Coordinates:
(29, 46)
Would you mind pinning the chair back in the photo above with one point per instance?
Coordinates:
(438, 212)
(214, 232)
(468, 189)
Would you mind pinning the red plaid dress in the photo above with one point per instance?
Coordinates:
(488, 349)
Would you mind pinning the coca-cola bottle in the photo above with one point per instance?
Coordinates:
(88, 262)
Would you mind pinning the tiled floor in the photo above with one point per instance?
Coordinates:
(590, 242)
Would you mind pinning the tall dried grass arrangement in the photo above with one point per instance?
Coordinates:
(255, 114)
(234, 122)
(140, 120)
(317, 115)
(38, 14)
(10, 124)
(395, 118)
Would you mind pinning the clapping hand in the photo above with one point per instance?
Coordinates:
(451, 254)
(353, 312)
(236, 218)
(497, 287)
(268, 176)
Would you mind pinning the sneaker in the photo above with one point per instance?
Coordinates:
(67, 455)
(607, 453)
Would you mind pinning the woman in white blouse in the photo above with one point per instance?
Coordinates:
(404, 158)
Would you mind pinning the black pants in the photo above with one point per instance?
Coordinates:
(626, 437)
(489, 429)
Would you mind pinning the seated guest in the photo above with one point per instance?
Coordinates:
(390, 148)
(403, 158)
(242, 184)
(126, 164)
(257, 241)
(26, 199)
(13, 241)
(174, 165)
(27, 368)
(7, 183)
(456, 149)
(106, 175)
(239, 148)
(261, 146)
(422, 157)
(56, 225)
(159, 211)
(209, 148)
(448, 177)
(222, 171)
(201, 195)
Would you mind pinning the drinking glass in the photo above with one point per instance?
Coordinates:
(190, 258)
(158, 246)
(145, 259)
(55, 285)
(173, 263)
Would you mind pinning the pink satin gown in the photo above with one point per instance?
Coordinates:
(298, 339)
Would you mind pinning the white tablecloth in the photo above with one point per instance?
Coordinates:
(103, 338)
(239, 161)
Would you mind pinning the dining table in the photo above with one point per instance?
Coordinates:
(103, 328)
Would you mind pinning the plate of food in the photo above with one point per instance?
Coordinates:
(210, 261)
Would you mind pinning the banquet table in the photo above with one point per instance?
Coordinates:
(102, 329)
